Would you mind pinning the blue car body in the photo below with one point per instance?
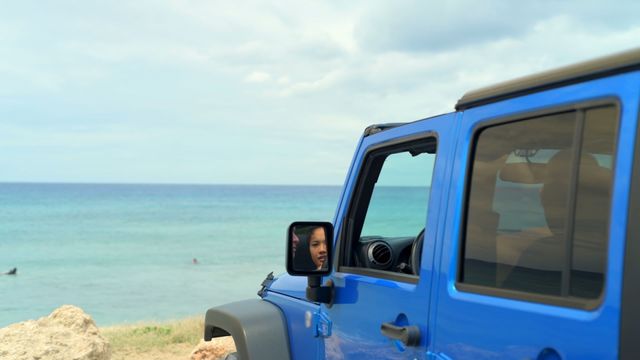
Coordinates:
(472, 322)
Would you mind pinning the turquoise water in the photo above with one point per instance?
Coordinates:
(124, 252)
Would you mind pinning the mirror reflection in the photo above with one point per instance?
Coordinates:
(309, 248)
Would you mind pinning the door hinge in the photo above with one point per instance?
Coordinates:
(265, 284)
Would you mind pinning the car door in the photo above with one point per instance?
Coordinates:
(385, 234)
(531, 251)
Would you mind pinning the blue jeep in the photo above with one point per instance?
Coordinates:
(504, 230)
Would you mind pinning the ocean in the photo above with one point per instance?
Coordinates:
(124, 253)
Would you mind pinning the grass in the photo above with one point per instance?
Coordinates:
(170, 340)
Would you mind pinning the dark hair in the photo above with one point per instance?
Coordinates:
(302, 259)
(312, 229)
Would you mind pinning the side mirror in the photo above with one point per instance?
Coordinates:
(309, 248)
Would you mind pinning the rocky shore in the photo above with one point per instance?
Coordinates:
(68, 333)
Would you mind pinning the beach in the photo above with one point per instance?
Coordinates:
(171, 340)
(124, 254)
(69, 332)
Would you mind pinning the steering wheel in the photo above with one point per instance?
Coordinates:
(416, 252)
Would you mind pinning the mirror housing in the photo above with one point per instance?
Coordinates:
(309, 248)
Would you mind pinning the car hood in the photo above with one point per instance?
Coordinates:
(294, 286)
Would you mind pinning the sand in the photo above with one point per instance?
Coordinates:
(173, 340)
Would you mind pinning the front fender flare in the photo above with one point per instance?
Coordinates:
(257, 326)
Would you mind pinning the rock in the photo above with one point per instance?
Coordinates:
(68, 333)
(216, 349)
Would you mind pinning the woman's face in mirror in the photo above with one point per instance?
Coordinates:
(318, 247)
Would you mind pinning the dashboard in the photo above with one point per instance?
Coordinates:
(385, 253)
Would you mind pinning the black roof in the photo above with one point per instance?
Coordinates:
(617, 63)
(376, 128)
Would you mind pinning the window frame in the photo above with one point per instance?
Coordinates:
(345, 244)
(481, 125)
(629, 327)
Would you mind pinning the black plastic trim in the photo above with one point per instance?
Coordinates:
(266, 283)
(329, 235)
(258, 328)
(585, 304)
(531, 297)
(570, 225)
(409, 335)
(376, 128)
(383, 274)
(630, 307)
(318, 293)
(583, 71)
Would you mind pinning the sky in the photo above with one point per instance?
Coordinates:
(257, 92)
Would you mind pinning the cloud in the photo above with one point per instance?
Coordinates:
(419, 26)
(257, 77)
(134, 89)
(415, 26)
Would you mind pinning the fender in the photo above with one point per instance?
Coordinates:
(258, 328)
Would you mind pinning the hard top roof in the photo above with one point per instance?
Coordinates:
(608, 65)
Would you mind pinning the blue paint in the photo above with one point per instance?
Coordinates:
(454, 323)
(475, 326)
(363, 303)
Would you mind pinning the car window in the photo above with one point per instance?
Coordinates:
(538, 206)
(390, 211)
(398, 205)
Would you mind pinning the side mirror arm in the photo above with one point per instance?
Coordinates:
(319, 293)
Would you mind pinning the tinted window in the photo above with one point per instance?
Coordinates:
(538, 208)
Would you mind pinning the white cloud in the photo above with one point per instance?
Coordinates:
(182, 76)
(322, 82)
(257, 77)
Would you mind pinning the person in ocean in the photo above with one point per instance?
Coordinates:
(13, 271)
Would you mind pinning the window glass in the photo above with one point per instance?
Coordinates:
(537, 215)
(398, 205)
(593, 204)
(391, 211)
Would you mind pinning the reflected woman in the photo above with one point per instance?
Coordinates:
(318, 247)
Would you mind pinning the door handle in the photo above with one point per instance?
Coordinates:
(409, 335)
